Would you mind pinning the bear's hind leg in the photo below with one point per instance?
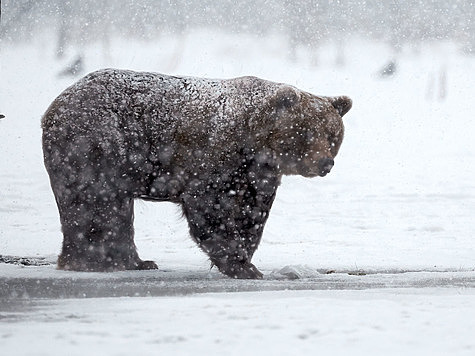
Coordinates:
(98, 236)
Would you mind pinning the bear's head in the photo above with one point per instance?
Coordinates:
(303, 131)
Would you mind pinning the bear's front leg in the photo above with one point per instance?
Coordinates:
(231, 258)
(227, 224)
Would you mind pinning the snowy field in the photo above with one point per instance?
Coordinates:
(376, 258)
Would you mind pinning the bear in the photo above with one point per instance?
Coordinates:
(216, 147)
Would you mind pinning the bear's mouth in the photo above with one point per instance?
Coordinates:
(313, 174)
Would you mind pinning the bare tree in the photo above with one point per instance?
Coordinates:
(20, 10)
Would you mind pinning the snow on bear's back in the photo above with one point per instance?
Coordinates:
(196, 111)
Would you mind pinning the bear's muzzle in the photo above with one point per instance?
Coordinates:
(325, 165)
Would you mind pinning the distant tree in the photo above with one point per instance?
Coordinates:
(18, 12)
(64, 28)
(306, 24)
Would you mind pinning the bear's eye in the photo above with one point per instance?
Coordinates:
(332, 140)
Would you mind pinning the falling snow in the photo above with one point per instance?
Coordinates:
(382, 246)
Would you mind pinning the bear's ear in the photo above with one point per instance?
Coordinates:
(342, 104)
(285, 97)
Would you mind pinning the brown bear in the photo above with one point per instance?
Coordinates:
(218, 148)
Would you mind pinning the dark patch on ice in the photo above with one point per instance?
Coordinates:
(26, 261)
(59, 284)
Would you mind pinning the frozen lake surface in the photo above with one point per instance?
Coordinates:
(296, 310)
(48, 283)
(376, 258)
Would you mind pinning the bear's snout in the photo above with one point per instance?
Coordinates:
(325, 165)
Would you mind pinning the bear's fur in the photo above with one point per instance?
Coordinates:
(218, 148)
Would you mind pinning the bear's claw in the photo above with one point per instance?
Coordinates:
(240, 270)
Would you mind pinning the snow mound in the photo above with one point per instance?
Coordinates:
(295, 272)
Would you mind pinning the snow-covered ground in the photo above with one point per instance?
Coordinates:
(374, 322)
(401, 197)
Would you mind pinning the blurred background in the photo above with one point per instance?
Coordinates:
(300, 23)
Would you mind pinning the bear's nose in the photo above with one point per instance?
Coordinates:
(325, 165)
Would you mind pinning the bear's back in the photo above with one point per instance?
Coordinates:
(125, 92)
